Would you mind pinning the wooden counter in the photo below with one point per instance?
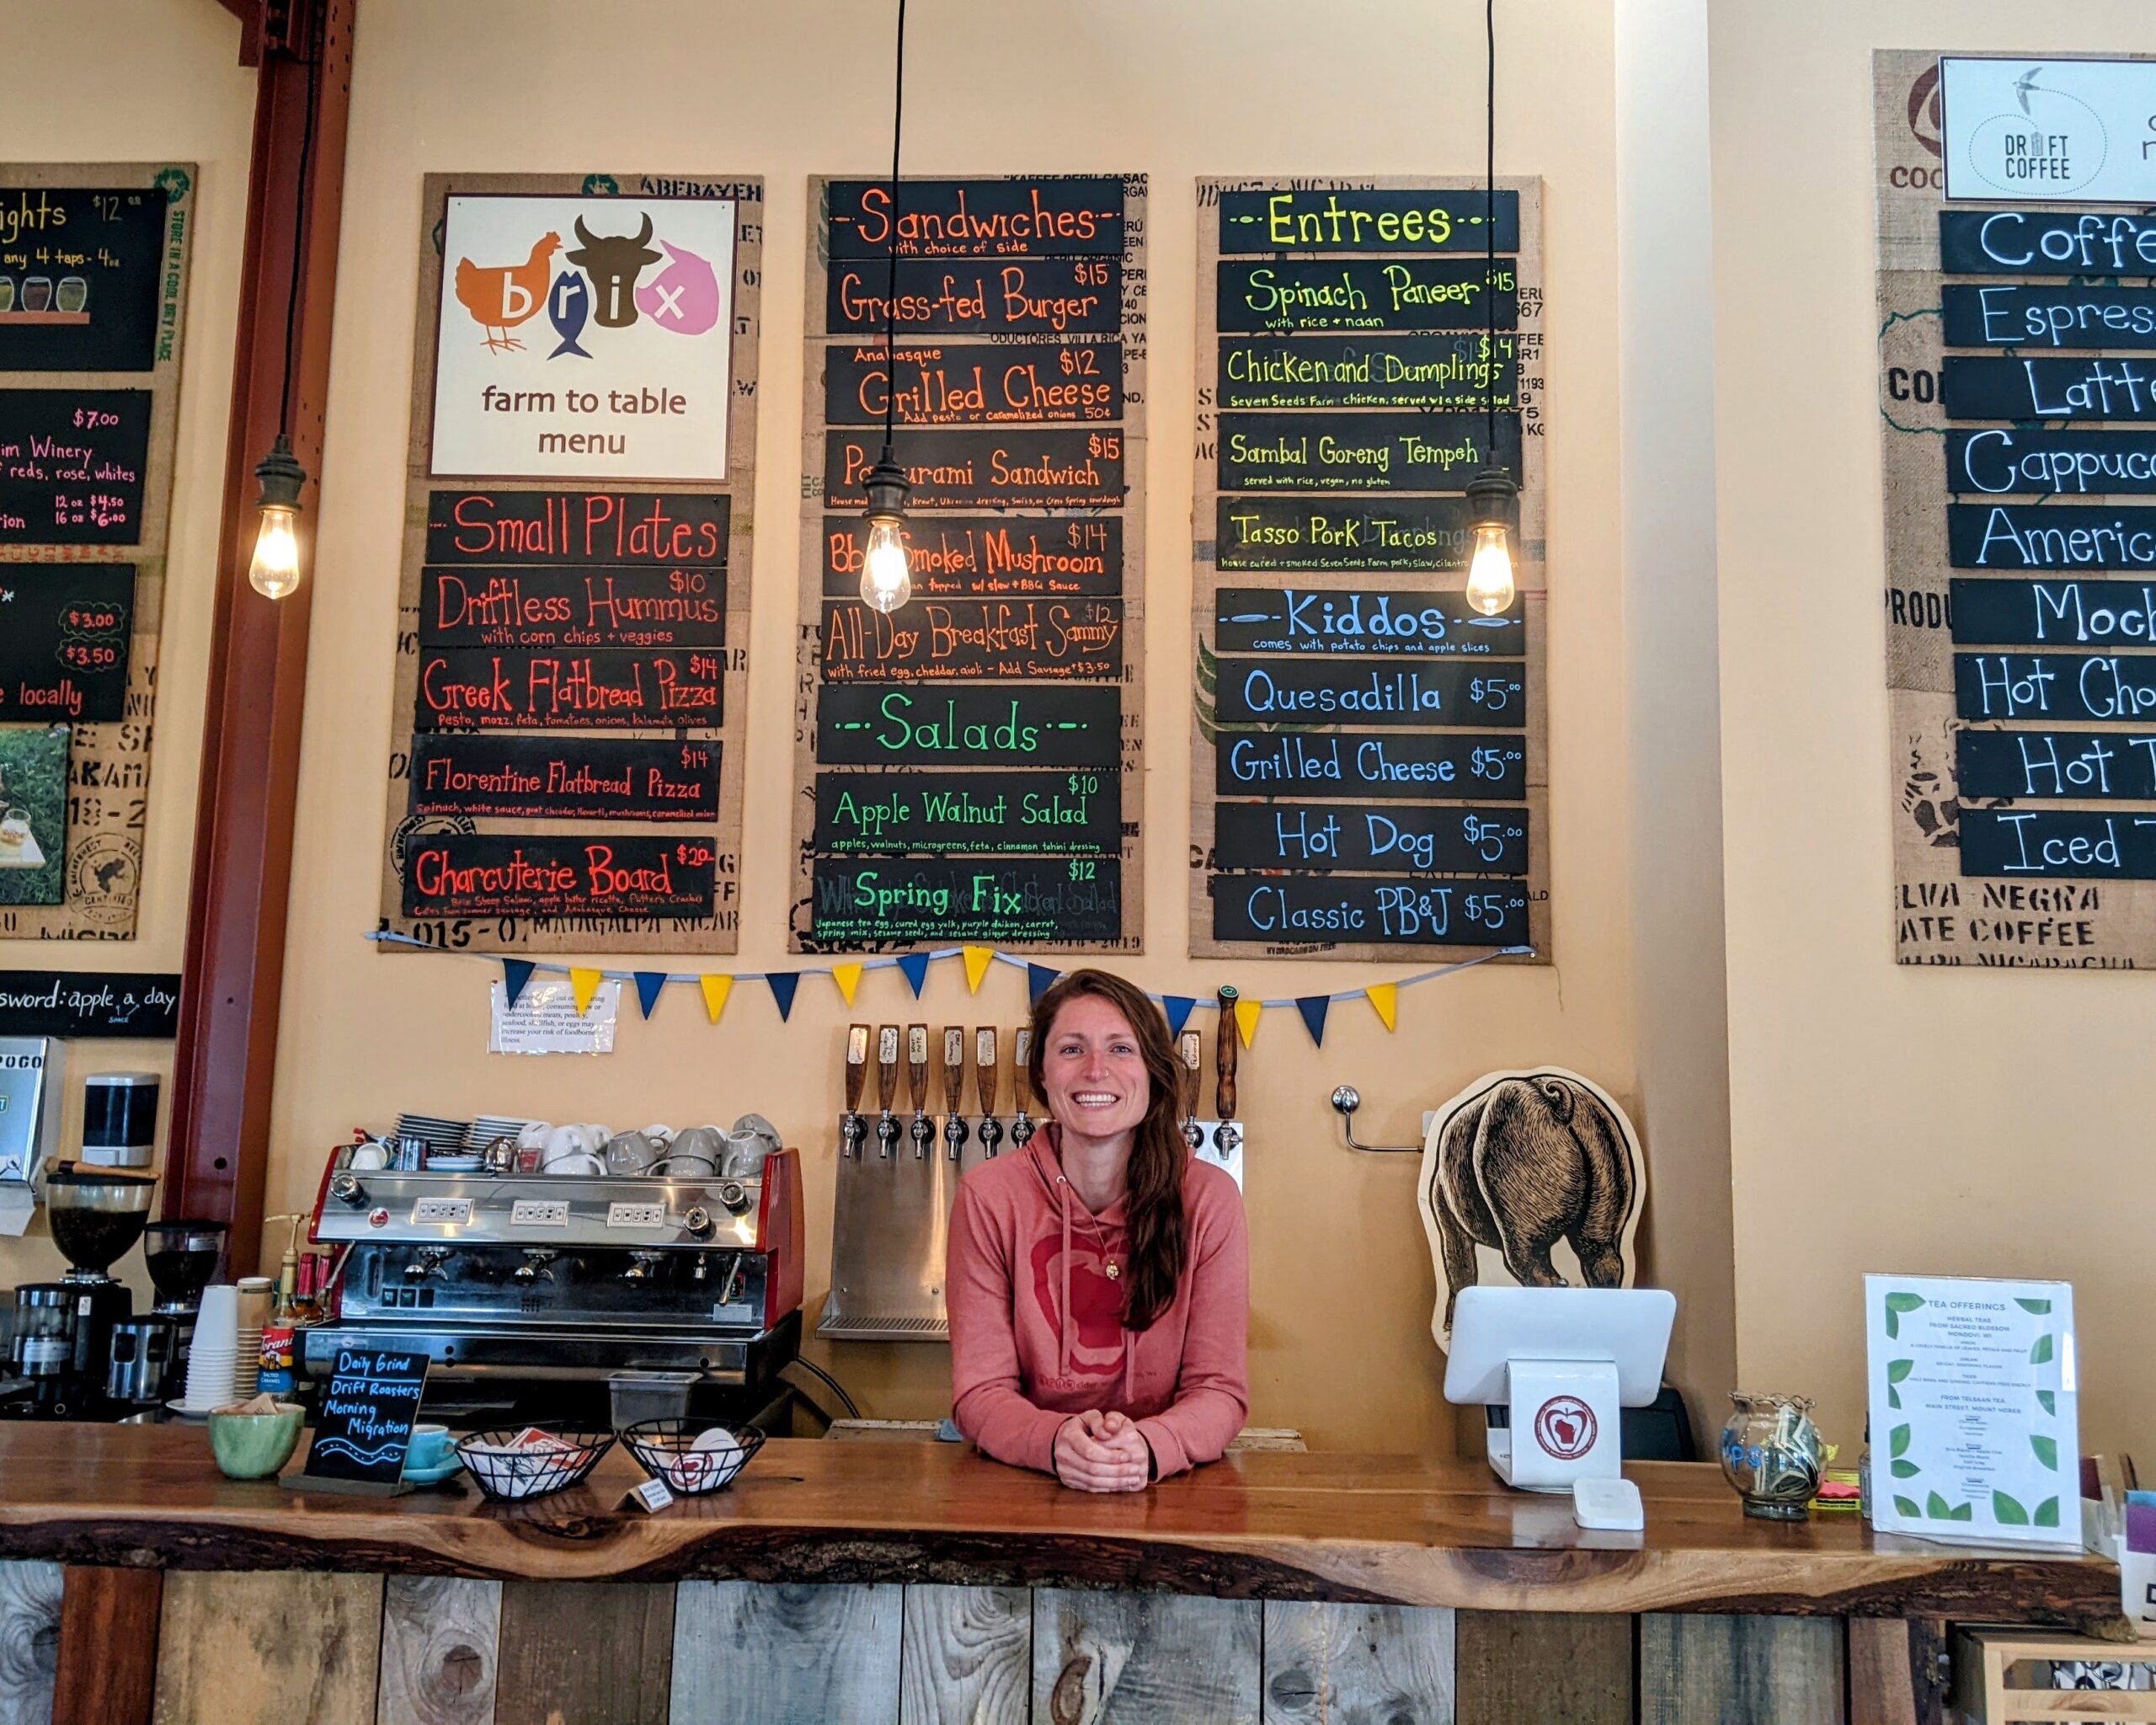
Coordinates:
(927, 1552)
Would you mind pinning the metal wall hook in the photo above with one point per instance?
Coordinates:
(1345, 1101)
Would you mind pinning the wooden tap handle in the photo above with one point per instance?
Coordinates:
(955, 1068)
(857, 1065)
(1021, 1066)
(887, 1067)
(917, 1065)
(1224, 1055)
(1191, 1048)
(988, 1077)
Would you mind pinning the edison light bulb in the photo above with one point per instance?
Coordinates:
(1490, 587)
(886, 582)
(276, 570)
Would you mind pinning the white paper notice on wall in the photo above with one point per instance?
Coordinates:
(584, 338)
(545, 1020)
(1974, 1402)
(2079, 132)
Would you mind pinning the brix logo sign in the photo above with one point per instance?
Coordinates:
(1565, 1428)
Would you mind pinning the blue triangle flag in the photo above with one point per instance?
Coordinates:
(516, 973)
(913, 966)
(783, 983)
(1313, 1007)
(1039, 978)
(648, 984)
(1177, 1007)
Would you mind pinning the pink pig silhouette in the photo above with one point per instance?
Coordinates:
(683, 297)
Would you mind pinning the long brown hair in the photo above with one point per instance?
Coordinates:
(1159, 1232)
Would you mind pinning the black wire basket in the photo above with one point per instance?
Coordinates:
(667, 1450)
(512, 1475)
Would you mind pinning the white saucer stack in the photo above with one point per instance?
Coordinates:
(213, 1359)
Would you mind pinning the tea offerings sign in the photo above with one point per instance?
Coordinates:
(1975, 1432)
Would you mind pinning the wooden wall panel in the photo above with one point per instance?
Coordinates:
(1897, 1671)
(754, 1653)
(107, 1646)
(1712, 1670)
(584, 1650)
(271, 1646)
(1116, 1659)
(1558, 1665)
(1327, 1665)
(966, 1656)
(29, 1641)
(440, 1641)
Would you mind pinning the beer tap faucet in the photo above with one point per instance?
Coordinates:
(887, 1088)
(852, 1129)
(1022, 1079)
(988, 1080)
(923, 1129)
(955, 1091)
(1190, 1050)
(1228, 1135)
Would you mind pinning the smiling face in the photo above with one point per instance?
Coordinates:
(1093, 1073)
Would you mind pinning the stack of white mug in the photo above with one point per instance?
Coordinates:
(213, 1358)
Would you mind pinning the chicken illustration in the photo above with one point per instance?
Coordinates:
(502, 296)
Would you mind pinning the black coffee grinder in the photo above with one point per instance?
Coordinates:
(182, 1255)
(96, 1215)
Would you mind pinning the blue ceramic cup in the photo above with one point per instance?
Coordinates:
(430, 1448)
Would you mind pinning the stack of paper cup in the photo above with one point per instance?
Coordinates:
(212, 1360)
(256, 1303)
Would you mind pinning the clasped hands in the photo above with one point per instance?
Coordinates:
(1102, 1452)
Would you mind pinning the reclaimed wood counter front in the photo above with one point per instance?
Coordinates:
(888, 1534)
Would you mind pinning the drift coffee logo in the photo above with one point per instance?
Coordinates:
(1565, 1428)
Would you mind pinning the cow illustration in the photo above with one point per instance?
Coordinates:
(1518, 1162)
(613, 261)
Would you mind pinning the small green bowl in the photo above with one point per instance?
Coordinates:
(255, 1445)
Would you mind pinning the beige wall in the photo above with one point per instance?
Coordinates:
(1342, 1283)
(147, 81)
(1965, 1122)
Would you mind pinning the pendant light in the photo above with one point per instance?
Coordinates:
(886, 579)
(1492, 494)
(274, 571)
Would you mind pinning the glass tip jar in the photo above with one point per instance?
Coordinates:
(1773, 1454)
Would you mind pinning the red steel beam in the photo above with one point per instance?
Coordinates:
(227, 1050)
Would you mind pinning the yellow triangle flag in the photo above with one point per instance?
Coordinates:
(1246, 1013)
(586, 985)
(1385, 997)
(977, 962)
(848, 977)
(715, 989)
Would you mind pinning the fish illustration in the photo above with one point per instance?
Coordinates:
(568, 304)
(683, 297)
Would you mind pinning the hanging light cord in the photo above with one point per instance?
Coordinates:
(891, 278)
(1490, 227)
(318, 19)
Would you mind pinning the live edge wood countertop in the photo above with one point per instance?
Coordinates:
(1398, 1530)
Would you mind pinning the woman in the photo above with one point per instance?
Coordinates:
(1099, 1279)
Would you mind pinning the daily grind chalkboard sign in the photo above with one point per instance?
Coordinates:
(565, 774)
(965, 757)
(2017, 395)
(1367, 772)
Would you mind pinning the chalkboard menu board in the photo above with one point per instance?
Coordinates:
(93, 263)
(964, 761)
(363, 1429)
(2017, 400)
(1368, 776)
(572, 673)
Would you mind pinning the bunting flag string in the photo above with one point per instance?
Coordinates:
(1384, 997)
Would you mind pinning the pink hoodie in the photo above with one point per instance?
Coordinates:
(1037, 1330)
